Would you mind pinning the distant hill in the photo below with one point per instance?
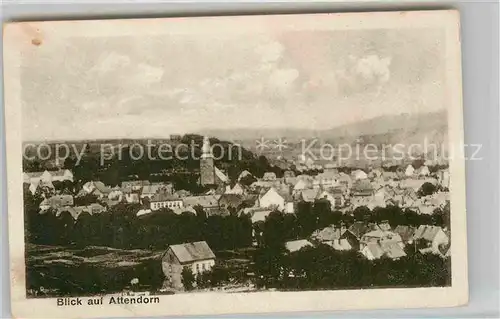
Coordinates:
(401, 128)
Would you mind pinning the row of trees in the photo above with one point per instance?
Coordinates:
(120, 227)
(323, 267)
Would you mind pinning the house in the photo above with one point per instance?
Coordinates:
(444, 178)
(380, 196)
(345, 180)
(220, 176)
(362, 188)
(405, 232)
(375, 173)
(272, 199)
(432, 236)
(244, 174)
(269, 176)
(150, 190)
(236, 189)
(424, 171)
(301, 185)
(257, 214)
(309, 195)
(115, 194)
(358, 229)
(47, 188)
(159, 201)
(48, 176)
(196, 256)
(135, 185)
(334, 196)
(132, 198)
(181, 210)
(76, 211)
(379, 236)
(296, 245)
(231, 201)
(56, 201)
(328, 179)
(338, 238)
(359, 174)
(374, 250)
(409, 171)
(96, 188)
(209, 203)
(288, 174)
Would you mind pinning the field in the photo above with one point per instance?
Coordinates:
(54, 271)
(62, 271)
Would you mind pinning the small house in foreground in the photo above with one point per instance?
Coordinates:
(196, 256)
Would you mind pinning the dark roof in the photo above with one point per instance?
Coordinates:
(362, 187)
(358, 229)
(190, 252)
(406, 232)
(162, 197)
(58, 201)
(205, 201)
(135, 183)
(231, 200)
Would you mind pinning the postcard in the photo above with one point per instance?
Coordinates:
(235, 164)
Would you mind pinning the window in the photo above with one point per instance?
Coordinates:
(203, 266)
(169, 268)
(197, 267)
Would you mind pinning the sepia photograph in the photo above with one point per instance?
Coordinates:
(239, 164)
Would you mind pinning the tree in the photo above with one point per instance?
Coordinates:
(247, 180)
(426, 189)
(362, 213)
(187, 278)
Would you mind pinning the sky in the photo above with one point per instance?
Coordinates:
(139, 87)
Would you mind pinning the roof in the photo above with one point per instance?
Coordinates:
(259, 215)
(362, 186)
(58, 201)
(231, 200)
(205, 201)
(329, 233)
(180, 210)
(375, 250)
(427, 232)
(269, 176)
(309, 195)
(358, 229)
(296, 245)
(243, 174)
(135, 183)
(76, 211)
(161, 197)
(100, 186)
(220, 175)
(406, 232)
(393, 250)
(191, 252)
(385, 226)
(151, 189)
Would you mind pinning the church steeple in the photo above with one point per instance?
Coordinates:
(206, 151)
(207, 167)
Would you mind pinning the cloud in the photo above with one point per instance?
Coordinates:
(270, 51)
(364, 74)
(109, 62)
(148, 74)
(373, 68)
(282, 78)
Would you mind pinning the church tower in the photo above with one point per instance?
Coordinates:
(207, 169)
